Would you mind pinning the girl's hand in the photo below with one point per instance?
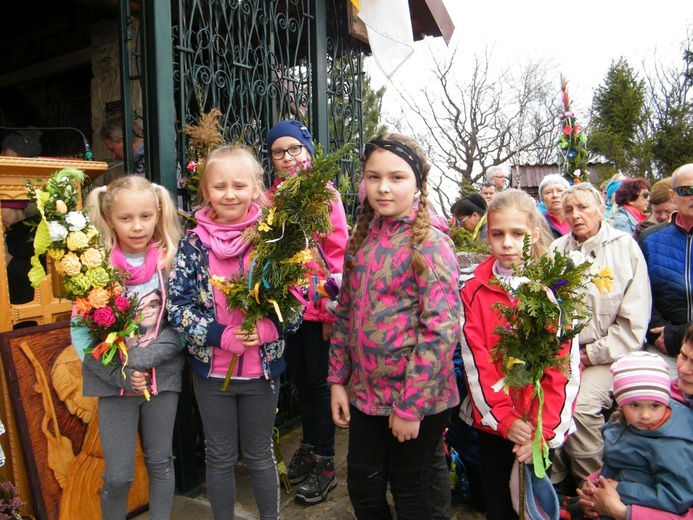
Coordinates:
(339, 403)
(326, 331)
(607, 501)
(138, 381)
(404, 429)
(584, 359)
(247, 339)
(520, 432)
(523, 452)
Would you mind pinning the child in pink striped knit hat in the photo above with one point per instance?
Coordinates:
(648, 444)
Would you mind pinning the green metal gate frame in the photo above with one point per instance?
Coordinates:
(258, 62)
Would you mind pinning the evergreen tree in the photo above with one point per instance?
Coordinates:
(618, 110)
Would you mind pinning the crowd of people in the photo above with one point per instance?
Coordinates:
(379, 361)
(645, 310)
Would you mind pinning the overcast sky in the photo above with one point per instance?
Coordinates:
(580, 38)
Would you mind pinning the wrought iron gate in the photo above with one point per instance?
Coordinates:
(260, 61)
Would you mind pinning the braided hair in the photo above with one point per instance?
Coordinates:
(409, 150)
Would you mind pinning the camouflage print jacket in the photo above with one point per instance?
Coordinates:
(396, 330)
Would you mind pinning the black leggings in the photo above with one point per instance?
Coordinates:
(376, 457)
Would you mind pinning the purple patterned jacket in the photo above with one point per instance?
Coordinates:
(395, 331)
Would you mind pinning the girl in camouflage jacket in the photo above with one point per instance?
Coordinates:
(397, 324)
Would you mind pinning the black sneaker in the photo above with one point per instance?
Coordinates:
(301, 464)
(319, 483)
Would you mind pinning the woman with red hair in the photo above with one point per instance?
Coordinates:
(632, 198)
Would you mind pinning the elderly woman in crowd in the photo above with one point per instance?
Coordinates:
(661, 204)
(618, 324)
(632, 197)
(551, 191)
(470, 212)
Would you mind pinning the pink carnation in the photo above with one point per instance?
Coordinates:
(104, 317)
(121, 304)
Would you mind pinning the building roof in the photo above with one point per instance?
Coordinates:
(531, 175)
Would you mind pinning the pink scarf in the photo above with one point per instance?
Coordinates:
(637, 214)
(225, 240)
(142, 273)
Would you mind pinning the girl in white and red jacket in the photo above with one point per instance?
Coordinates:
(504, 433)
(289, 145)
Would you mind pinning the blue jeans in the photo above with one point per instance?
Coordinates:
(376, 457)
(308, 358)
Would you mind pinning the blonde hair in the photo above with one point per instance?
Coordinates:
(422, 221)
(234, 153)
(514, 199)
(586, 194)
(167, 231)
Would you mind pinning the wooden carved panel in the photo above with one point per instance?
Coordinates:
(58, 426)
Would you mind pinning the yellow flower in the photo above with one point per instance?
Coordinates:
(92, 258)
(263, 226)
(91, 232)
(221, 283)
(56, 254)
(77, 240)
(60, 207)
(70, 264)
(512, 361)
(302, 257)
(270, 216)
(604, 280)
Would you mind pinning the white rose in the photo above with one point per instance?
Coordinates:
(57, 231)
(76, 220)
(577, 257)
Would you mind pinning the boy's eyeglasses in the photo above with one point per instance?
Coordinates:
(278, 154)
(684, 191)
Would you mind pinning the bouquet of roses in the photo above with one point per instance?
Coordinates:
(549, 312)
(76, 249)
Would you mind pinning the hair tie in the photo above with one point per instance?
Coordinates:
(399, 149)
(350, 257)
(155, 185)
(415, 248)
(103, 188)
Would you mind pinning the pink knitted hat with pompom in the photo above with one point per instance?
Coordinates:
(641, 376)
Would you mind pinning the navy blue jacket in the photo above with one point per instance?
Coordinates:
(667, 249)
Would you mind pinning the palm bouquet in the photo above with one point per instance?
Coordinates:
(282, 243)
(572, 151)
(549, 313)
(76, 250)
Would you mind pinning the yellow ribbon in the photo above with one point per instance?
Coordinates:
(124, 351)
(276, 309)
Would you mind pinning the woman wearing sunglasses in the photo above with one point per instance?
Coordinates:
(632, 198)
